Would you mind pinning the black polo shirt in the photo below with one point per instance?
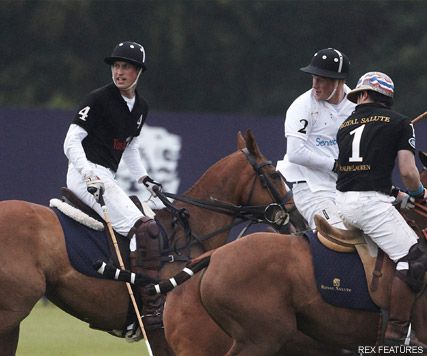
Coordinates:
(105, 115)
(368, 143)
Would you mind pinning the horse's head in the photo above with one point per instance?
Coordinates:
(261, 184)
(241, 187)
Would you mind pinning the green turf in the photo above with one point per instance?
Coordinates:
(48, 331)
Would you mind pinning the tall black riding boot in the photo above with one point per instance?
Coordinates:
(401, 302)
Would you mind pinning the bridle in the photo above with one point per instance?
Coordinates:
(275, 214)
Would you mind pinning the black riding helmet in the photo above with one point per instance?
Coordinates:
(131, 52)
(329, 63)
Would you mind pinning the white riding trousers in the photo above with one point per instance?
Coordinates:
(122, 211)
(373, 213)
(321, 202)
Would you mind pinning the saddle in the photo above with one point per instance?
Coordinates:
(144, 259)
(379, 269)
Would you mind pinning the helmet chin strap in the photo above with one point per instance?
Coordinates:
(333, 91)
(132, 85)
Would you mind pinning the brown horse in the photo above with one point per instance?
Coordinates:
(34, 259)
(261, 290)
(185, 313)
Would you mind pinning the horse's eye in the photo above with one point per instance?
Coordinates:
(275, 175)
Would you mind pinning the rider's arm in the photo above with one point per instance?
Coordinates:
(298, 127)
(133, 160)
(299, 153)
(408, 170)
(406, 160)
(74, 151)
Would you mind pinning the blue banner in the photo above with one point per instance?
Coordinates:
(177, 148)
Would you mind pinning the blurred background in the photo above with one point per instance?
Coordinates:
(217, 56)
(214, 67)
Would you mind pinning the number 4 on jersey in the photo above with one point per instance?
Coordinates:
(83, 113)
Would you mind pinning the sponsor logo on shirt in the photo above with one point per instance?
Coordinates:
(355, 168)
(321, 142)
(119, 145)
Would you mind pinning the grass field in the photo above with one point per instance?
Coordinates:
(49, 331)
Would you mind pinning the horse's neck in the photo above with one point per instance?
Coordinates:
(223, 183)
(204, 221)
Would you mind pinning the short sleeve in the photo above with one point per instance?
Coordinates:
(87, 113)
(407, 136)
(297, 121)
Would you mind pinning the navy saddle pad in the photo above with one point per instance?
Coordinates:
(340, 277)
(85, 245)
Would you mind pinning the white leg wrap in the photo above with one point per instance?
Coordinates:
(102, 268)
(172, 280)
(188, 271)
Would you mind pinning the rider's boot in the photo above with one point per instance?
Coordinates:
(404, 289)
(401, 303)
(146, 259)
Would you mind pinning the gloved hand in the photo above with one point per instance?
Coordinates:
(405, 201)
(150, 184)
(95, 186)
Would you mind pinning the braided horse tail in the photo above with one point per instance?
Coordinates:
(151, 286)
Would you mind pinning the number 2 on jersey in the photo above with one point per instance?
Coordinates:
(355, 146)
(305, 123)
(83, 113)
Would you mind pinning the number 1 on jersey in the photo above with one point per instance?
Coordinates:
(355, 147)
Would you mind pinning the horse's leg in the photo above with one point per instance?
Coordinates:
(9, 342)
(258, 313)
(190, 331)
(188, 327)
(302, 344)
(22, 271)
(158, 342)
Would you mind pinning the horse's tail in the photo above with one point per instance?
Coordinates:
(167, 285)
(152, 286)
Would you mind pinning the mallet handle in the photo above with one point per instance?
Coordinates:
(419, 117)
(122, 266)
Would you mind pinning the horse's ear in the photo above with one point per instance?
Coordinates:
(251, 143)
(423, 158)
(241, 142)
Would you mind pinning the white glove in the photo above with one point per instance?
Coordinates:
(151, 185)
(405, 201)
(95, 186)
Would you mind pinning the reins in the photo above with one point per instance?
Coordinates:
(247, 212)
(241, 213)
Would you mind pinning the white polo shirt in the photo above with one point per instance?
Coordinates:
(311, 127)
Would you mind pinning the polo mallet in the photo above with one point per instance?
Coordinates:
(419, 117)
(101, 201)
